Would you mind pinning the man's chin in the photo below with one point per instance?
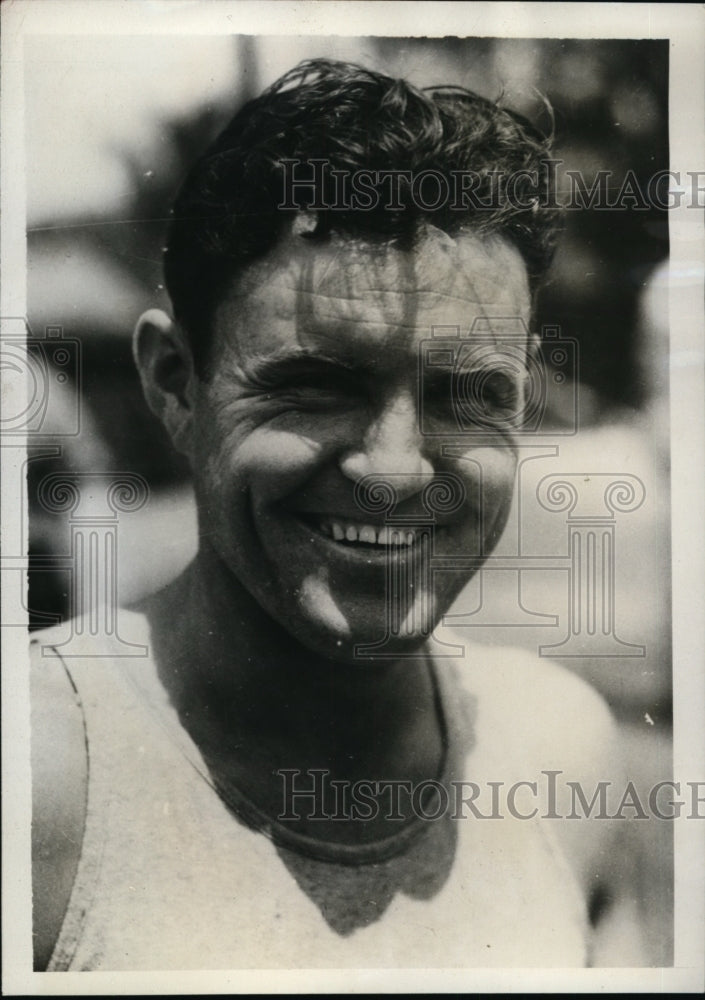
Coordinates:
(359, 639)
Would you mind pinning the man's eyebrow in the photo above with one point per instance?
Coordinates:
(288, 360)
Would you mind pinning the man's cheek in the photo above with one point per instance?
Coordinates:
(488, 480)
(273, 462)
(490, 468)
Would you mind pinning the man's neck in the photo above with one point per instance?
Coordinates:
(255, 700)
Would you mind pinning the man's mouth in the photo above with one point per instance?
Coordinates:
(358, 534)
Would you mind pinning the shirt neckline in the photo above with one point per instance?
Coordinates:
(247, 812)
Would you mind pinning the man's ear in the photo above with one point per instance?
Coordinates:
(163, 357)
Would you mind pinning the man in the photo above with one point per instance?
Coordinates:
(266, 790)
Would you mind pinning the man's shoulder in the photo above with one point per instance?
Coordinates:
(534, 715)
(523, 679)
(537, 707)
(59, 781)
(121, 632)
(57, 724)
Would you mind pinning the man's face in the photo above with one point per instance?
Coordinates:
(316, 384)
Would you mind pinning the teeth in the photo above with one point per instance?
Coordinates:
(368, 534)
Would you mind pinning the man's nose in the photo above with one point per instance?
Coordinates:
(392, 448)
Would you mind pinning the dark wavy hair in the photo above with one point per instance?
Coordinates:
(226, 214)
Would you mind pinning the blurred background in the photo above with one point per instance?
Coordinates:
(112, 125)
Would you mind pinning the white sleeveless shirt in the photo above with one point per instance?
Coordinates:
(170, 878)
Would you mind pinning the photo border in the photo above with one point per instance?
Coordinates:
(684, 26)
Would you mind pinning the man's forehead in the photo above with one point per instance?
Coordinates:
(348, 286)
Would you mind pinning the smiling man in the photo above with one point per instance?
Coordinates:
(263, 790)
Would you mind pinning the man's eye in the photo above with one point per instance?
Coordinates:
(304, 386)
(318, 390)
(475, 398)
(306, 390)
(487, 396)
(496, 393)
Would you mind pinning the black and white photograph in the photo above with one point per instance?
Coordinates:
(353, 448)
